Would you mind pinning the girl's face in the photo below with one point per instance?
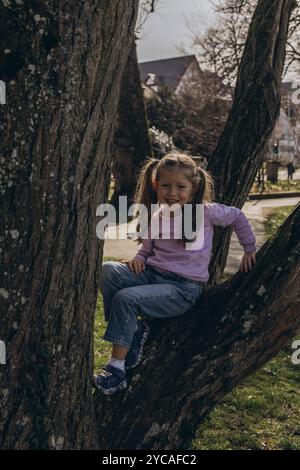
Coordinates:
(173, 187)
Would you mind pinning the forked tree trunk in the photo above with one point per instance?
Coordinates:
(192, 362)
(131, 142)
(63, 72)
(62, 66)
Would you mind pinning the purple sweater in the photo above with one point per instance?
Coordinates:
(172, 255)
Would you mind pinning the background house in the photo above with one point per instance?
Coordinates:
(173, 73)
(177, 74)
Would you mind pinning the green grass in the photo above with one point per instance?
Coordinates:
(261, 413)
(102, 348)
(275, 217)
(281, 186)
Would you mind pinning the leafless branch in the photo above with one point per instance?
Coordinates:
(221, 46)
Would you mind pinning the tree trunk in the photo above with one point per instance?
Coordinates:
(131, 143)
(62, 65)
(254, 113)
(190, 363)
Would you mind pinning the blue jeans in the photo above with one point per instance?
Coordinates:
(150, 294)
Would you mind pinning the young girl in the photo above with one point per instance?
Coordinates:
(164, 279)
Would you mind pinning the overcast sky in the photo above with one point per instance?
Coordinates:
(167, 28)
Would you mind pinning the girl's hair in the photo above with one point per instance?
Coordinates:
(202, 181)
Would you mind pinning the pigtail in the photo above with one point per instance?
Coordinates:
(209, 186)
(204, 193)
(145, 193)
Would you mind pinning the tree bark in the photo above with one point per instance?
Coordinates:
(131, 142)
(190, 363)
(62, 63)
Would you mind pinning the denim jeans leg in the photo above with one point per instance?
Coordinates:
(122, 320)
(166, 300)
(116, 276)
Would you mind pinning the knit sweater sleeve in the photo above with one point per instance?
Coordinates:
(145, 251)
(230, 216)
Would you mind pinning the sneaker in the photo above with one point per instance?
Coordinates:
(110, 380)
(135, 354)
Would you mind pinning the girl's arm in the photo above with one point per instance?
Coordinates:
(137, 263)
(230, 216)
(145, 251)
(248, 260)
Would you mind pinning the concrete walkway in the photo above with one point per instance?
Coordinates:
(254, 213)
(282, 174)
(125, 249)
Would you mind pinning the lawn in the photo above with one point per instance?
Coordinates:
(275, 218)
(262, 412)
(282, 186)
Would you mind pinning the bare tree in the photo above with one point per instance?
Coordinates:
(146, 7)
(222, 44)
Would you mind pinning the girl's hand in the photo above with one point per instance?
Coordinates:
(135, 265)
(248, 261)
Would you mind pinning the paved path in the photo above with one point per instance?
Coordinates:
(282, 174)
(125, 249)
(253, 211)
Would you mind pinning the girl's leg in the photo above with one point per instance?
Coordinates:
(156, 301)
(116, 276)
(119, 352)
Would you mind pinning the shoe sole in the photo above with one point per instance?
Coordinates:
(109, 391)
(140, 356)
